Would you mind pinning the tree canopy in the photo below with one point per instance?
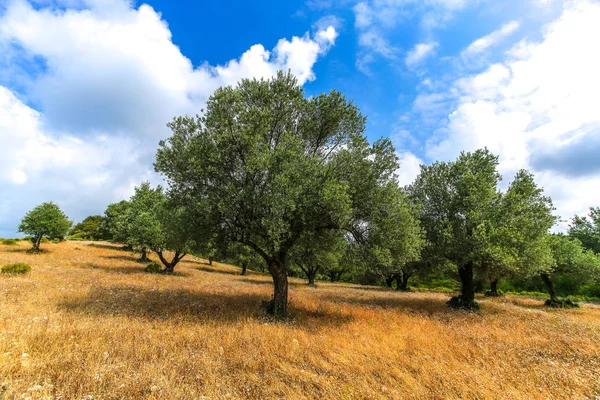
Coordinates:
(271, 165)
(471, 224)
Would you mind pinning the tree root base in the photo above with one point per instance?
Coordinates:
(458, 302)
(561, 303)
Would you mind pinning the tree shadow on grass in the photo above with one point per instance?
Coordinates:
(269, 282)
(109, 246)
(132, 270)
(406, 302)
(123, 258)
(206, 268)
(26, 250)
(191, 306)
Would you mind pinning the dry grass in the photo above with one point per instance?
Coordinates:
(86, 321)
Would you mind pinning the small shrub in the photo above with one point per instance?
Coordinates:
(9, 242)
(44, 240)
(18, 268)
(55, 241)
(153, 268)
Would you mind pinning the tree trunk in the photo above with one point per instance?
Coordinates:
(36, 243)
(466, 280)
(467, 294)
(144, 256)
(278, 305)
(311, 279)
(549, 286)
(170, 265)
(493, 289)
(402, 281)
(244, 267)
(332, 277)
(210, 261)
(389, 280)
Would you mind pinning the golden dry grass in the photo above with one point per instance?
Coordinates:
(88, 322)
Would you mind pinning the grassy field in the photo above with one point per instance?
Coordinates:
(87, 322)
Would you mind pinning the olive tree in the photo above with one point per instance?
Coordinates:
(394, 237)
(45, 220)
(162, 223)
(568, 257)
(586, 229)
(318, 252)
(520, 222)
(471, 225)
(273, 165)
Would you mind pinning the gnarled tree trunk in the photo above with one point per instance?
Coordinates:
(549, 287)
(467, 293)
(278, 304)
(402, 281)
(389, 280)
(244, 267)
(170, 265)
(144, 257)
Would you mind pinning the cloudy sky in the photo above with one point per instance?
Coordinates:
(87, 86)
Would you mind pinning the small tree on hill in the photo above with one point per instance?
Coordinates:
(45, 220)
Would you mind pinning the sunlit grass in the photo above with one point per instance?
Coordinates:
(88, 321)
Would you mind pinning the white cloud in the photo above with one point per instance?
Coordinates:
(482, 44)
(419, 53)
(376, 43)
(410, 166)
(537, 109)
(107, 77)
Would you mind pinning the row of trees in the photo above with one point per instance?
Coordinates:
(268, 177)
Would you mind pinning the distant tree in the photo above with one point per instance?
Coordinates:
(317, 251)
(587, 229)
(113, 226)
(568, 257)
(88, 229)
(468, 224)
(45, 220)
(516, 235)
(394, 236)
(273, 165)
(159, 223)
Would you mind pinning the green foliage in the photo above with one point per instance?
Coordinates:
(9, 242)
(88, 229)
(268, 165)
(153, 268)
(45, 221)
(113, 225)
(587, 230)
(18, 268)
(473, 227)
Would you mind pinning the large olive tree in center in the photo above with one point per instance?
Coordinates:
(271, 165)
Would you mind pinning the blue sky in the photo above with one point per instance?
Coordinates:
(86, 86)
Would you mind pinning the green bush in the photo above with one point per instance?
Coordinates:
(153, 268)
(18, 268)
(44, 240)
(9, 242)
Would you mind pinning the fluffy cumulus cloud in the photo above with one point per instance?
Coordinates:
(86, 91)
(538, 109)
